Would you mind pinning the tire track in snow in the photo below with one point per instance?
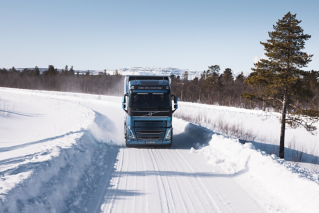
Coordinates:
(191, 182)
(145, 177)
(186, 183)
(241, 201)
(202, 185)
(135, 184)
(111, 192)
(140, 182)
(161, 171)
(163, 200)
(177, 185)
(126, 181)
(123, 180)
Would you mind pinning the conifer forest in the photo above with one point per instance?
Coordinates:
(212, 87)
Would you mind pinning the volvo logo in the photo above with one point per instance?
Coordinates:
(151, 113)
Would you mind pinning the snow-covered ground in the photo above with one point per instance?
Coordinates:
(262, 129)
(64, 152)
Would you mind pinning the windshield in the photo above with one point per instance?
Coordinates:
(154, 101)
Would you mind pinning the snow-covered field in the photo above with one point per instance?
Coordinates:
(261, 128)
(64, 152)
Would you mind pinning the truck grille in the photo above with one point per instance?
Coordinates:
(150, 138)
(150, 135)
(150, 124)
(150, 132)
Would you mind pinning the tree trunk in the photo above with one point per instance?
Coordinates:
(283, 127)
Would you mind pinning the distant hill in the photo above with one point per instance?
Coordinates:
(140, 71)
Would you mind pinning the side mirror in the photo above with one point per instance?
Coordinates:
(124, 102)
(175, 103)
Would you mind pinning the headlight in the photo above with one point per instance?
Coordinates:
(132, 87)
(168, 135)
(132, 135)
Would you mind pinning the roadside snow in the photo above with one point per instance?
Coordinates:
(262, 126)
(55, 149)
(41, 141)
(268, 178)
(36, 116)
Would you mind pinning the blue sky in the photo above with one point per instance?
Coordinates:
(99, 35)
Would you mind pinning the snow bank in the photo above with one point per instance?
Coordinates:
(263, 127)
(52, 150)
(51, 183)
(34, 116)
(259, 172)
(56, 179)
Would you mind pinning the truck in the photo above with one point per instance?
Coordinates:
(147, 103)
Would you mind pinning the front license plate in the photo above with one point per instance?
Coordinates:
(150, 141)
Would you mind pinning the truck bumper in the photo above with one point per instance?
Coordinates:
(149, 136)
(148, 142)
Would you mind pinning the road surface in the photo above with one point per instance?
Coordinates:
(149, 179)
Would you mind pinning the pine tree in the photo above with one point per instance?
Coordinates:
(279, 80)
(116, 72)
(228, 75)
(13, 70)
(185, 76)
(51, 70)
(203, 75)
(240, 78)
(71, 71)
(36, 71)
(213, 71)
(212, 80)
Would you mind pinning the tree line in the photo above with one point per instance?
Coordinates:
(65, 80)
(227, 89)
(212, 87)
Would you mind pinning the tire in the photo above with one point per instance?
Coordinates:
(168, 145)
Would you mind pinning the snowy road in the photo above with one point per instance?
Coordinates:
(159, 180)
(163, 180)
(168, 180)
(82, 165)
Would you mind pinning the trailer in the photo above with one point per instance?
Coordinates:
(147, 103)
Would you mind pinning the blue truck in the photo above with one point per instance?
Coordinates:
(148, 105)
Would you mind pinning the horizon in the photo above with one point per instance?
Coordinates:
(192, 73)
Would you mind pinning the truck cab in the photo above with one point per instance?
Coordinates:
(148, 107)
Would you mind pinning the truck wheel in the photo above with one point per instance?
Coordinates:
(168, 145)
(128, 145)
